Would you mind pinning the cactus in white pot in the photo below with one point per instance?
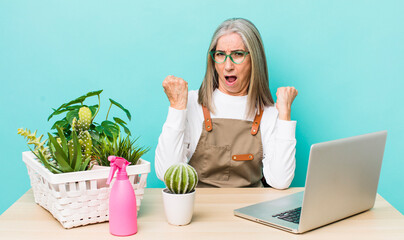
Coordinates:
(181, 180)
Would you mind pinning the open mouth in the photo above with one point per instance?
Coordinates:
(230, 80)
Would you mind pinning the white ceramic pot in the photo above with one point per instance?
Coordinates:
(179, 208)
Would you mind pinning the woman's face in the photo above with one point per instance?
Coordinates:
(234, 79)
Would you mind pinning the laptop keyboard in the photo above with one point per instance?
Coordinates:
(290, 216)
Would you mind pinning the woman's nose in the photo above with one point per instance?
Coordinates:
(228, 64)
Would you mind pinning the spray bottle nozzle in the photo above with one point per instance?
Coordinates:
(117, 163)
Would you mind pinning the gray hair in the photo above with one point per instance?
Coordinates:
(259, 94)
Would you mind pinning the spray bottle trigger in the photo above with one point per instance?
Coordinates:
(111, 174)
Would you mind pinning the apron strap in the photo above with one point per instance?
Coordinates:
(208, 120)
(257, 121)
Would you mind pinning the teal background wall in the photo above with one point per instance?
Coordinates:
(346, 58)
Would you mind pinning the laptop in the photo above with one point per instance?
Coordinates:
(342, 179)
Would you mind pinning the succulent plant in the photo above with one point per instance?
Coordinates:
(120, 147)
(39, 146)
(67, 156)
(181, 178)
(61, 155)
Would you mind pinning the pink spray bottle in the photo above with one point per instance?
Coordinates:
(122, 200)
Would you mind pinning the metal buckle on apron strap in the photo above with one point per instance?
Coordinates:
(208, 120)
(242, 157)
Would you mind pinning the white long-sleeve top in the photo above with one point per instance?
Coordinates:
(183, 128)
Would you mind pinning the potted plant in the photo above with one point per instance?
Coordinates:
(118, 146)
(58, 166)
(179, 196)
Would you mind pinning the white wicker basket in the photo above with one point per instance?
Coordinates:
(76, 198)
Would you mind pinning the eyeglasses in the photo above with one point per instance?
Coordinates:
(236, 56)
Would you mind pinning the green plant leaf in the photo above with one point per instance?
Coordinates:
(55, 169)
(118, 120)
(110, 128)
(79, 160)
(63, 140)
(57, 112)
(99, 129)
(59, 155)
(94, 93)
(42, 158)
(95, 135)
(108, 133)
(61, 123)
(123, 124)
(77, 100)
(93, 109)
(75, 107)
(121, 107)
(72, 114)
(85, 164)
(76, 151)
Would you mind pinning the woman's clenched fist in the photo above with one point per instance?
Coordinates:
(284, 100)
(176, 90)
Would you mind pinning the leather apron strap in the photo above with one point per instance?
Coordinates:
(208, 120)
(254, 128)
(257, 122)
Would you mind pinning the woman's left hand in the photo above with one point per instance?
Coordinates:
(284, 100)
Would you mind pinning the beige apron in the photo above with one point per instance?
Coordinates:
(229, 153)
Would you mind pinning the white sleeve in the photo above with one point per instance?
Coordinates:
(171, 145)
(279, 161)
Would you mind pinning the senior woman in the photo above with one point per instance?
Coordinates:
(230, 131)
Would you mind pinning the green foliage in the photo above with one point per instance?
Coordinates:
(181, 178)
(120, 147)
(66, 155)
(76, 118)
(39, 146)
(79, 139)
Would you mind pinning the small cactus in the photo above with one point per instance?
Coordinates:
(74, 124)
(84, 121)
(181, 178)
(86, 144)
(81, 126)
(85, 118)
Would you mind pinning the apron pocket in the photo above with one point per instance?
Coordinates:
(216, 163)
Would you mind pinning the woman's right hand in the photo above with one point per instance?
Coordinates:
(176, 90)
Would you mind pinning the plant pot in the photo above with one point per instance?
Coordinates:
(178, 208)
(75, 198)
